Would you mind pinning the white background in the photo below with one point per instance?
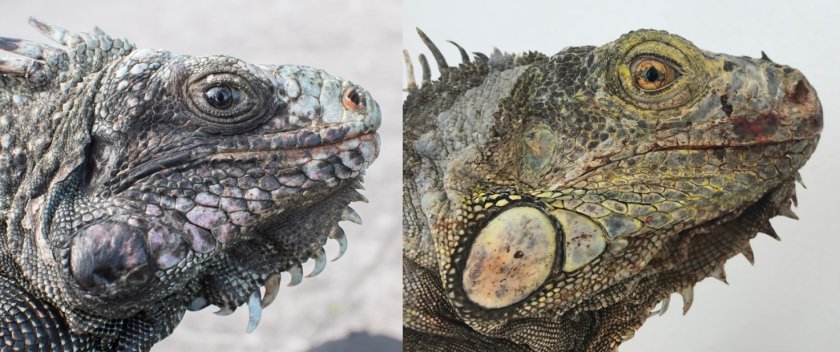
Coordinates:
(361, 292)
(789, 300)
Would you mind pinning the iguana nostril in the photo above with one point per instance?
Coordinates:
(801, 92)
(353, 99)
(801, 97)
(110, 259)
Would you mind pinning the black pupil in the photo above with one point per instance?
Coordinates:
(652, 74)
(220, 97)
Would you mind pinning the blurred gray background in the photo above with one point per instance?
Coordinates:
(788, 301)
(355, 304)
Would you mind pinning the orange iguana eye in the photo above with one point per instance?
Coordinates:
(652, 74)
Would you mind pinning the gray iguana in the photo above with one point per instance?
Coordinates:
(138, 184)
(551, 202)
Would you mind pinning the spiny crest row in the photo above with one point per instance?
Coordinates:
(83, 49)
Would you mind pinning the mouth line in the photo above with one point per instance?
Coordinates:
(205, 153)
(309, 138)
(732, 146)
(347, 144)
(594, 171)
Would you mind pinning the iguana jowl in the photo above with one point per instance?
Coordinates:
(550, 203)
(137, 184)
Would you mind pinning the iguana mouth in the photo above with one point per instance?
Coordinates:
(354, 153)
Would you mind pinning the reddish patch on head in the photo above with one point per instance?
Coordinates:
(761, 128)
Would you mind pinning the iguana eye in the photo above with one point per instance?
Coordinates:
(656, 74)
(652, 74)
(222, 97)
(227, 99)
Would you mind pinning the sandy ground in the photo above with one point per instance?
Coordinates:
(354, 305)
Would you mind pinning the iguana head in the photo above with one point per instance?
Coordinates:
(574, 192)
(187, 181)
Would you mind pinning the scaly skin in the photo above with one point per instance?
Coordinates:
(551, 202)
(138, 184)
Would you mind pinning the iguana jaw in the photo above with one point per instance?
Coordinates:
(274, 251)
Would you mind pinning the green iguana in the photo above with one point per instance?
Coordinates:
(138, 184)
(551, 202)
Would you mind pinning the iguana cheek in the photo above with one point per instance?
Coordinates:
(510, 258)
(110, 259)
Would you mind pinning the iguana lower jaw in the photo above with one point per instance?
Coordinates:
(317, 223)
(613, 314)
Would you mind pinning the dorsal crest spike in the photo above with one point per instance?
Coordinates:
(479, 56)
(81, 53)
(411, 83)
(441, 61)
(24, 48)
(427, 72)
(465, 58)
(764, 57)
(98, 31)
(56, 34)
(14, 66)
